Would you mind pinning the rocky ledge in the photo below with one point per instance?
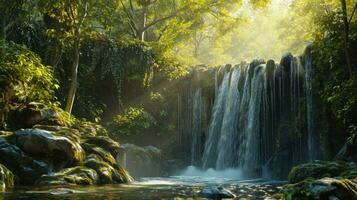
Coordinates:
(322, 180)
(55, 154)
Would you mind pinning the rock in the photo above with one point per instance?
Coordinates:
(44, 145)
(23, 166)
(89, 129)
(107, 174)
(104, 142)
(78, 175)
(34, 113)
(325, 188)
(349, 151)
(72, 134)
(320, 169)
(105, 156)
(6, 178)
(142, 161)
(212, 192)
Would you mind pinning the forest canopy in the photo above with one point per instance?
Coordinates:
(135, 48)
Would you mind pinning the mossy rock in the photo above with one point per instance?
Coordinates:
(107, 174)
(320, 169)
(104, 142)
(63, 131)
(325, 188)
(79, 175)
(34, 113)
(45, 145)
(6, 178)
(23, 166)
(105, 156)
(89, 128)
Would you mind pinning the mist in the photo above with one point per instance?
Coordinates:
(263, 33)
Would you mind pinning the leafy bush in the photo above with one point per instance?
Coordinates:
(133, 121)
(23, 78)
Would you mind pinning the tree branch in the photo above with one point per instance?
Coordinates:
(352, 14)
(132, 24)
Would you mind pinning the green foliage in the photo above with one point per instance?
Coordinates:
(133, 121)
(23, 77)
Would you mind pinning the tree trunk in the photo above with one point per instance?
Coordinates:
(345, 36)
(142, 30)
(74, 75)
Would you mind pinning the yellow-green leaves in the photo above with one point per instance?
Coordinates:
(24, 77)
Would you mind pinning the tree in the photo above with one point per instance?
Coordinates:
(76, 18)
(345, 33)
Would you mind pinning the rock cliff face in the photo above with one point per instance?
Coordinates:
(58, 155)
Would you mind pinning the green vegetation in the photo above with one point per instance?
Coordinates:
(134, 121)
(110, 70)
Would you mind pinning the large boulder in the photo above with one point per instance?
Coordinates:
(78, 175)
(104, 142)
(349, 151)
(6, 178)
(322, 180)
(34, 113)
(24, 167)
(107, 174)
(142, 161)
(44, 145)
(321, 169)
(325, 188)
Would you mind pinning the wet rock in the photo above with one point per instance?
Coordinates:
(107, 174)
(89, 129)
(6, 178)
(212, 192)
(104, 155)
(23, 166)
(104, 142)
(34, 113)
(320, 169)
(142, 161)
(325, 188)
(71, 176)
(44, 145)
(349, 151)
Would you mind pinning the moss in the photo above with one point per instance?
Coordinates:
(6, 178)
(106, 173)
(320, 169)
(105, 142)
(321, 189)
(79, 175)
(105, 156)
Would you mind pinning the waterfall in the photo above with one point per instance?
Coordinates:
(226, 144)
(310, 105)
(196, 127)
(262, 119)
(214, 130)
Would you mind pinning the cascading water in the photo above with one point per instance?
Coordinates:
(210, 152)
(262, 118)
(196, 127)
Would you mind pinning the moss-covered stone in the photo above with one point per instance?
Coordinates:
(107, 173)
(325, 188)
(79, 175)
(89, 129)
(105, 156)
(320, 169)
(44, 145)
(34, 113)
(6, 178)
(104, 142)
(24, 167)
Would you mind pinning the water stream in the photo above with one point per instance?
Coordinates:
(192, 183)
